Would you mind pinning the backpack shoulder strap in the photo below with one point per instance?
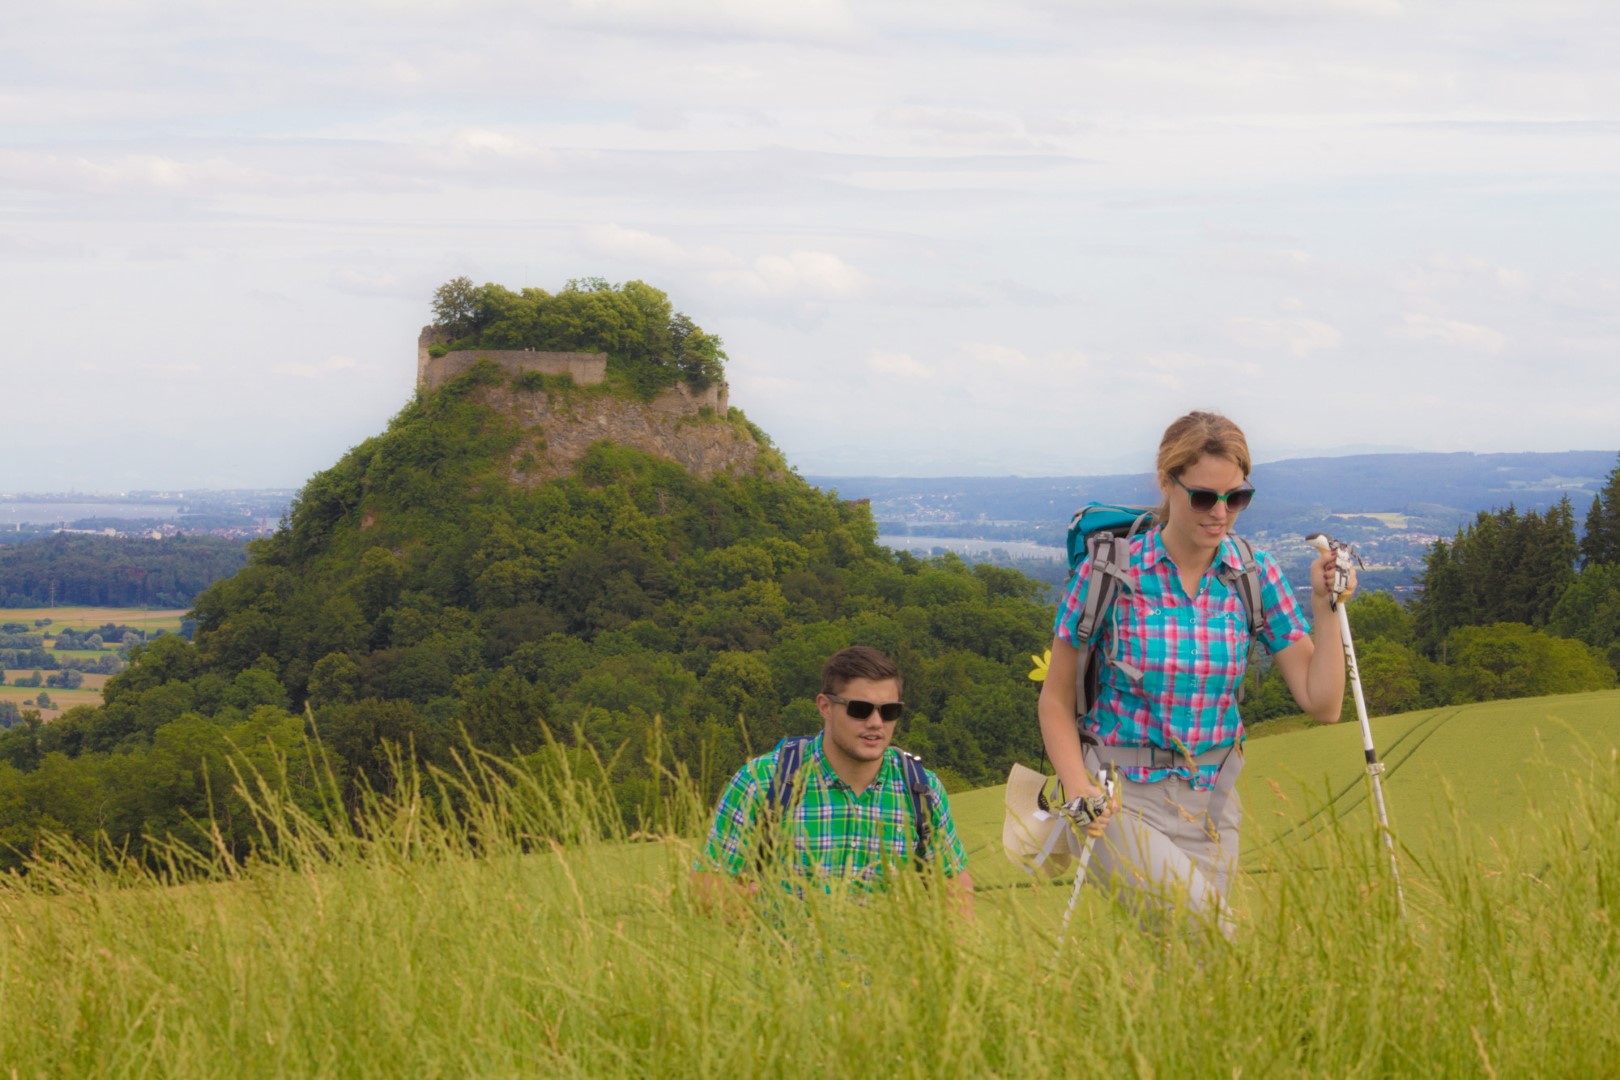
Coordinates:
(1110, 570)
(779, 794)
(921, 817)
(1247, 583)
(789, 759)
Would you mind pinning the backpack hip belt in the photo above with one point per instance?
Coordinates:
(1228, 758)
(1150, 756)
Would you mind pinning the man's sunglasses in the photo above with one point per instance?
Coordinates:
(1203, 500)
(859, 710)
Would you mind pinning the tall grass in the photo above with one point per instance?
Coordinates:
(515, 929)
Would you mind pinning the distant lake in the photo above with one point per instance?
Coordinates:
(1020, 549)
(49, 513)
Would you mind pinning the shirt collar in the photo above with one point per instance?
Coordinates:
(814, 753)
(1153, 551)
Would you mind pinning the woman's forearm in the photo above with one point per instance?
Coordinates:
(1325, 676)
(1058, 730)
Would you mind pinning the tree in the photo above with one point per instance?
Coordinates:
(1505, 567)
(1443, 603)
(739, 685)
(1510, 660)
(1375, 615)
(334, 680)
(1551, 570)
(455, 307)
(1391, 680)
(698, 356)
(1589, 610)
(649, 345)
(1601, 544)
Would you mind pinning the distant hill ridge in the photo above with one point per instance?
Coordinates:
(1446, 486)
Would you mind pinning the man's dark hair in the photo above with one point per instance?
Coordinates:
(856, 662)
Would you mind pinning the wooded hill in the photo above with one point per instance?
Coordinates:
(419, 599)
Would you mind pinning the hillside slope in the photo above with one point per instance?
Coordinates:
(1496, 761)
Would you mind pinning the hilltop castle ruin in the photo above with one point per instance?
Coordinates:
(563, 429)
(586, 369)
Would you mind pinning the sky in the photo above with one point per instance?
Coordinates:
(948, 237)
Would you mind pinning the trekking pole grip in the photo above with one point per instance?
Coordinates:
(1339, 587)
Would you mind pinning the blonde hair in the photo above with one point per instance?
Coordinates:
(1192, 437)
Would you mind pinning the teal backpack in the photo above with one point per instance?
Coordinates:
(1103, 533)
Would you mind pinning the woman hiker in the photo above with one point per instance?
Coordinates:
(1172, 651)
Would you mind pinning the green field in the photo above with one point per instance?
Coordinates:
(532, 938)
(88, 618)
(1495, 760)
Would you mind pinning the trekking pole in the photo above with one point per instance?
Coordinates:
(1107, 780)
(1375, 768)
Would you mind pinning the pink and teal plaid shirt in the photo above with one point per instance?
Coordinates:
(1192, 653)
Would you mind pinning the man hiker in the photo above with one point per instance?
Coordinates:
(841, 805)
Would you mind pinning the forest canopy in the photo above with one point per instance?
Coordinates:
(105, 571)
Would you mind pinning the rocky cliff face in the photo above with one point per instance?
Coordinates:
(561, 425)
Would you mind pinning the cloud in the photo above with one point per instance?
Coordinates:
(21, 247)
(1002, 358)
(812, 19)
(329, 366)
(1298, 337)
(1447, 273)
(817, 274)
(1290, 263)
(121, 173)
(1592, 293)
(898, 364)
(363, 283)
(633, 245)
(475, 147)
(181, 370)
(1461, 335)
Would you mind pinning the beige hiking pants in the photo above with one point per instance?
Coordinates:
(1162, 853)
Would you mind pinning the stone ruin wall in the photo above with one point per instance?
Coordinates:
(433, 372)
(563, 430)
(587, 369)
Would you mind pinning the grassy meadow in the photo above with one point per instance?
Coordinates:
(532, 936)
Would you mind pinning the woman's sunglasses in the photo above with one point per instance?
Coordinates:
(859, 710)
(1203, 500)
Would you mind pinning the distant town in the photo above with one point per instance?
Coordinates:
(242, 514)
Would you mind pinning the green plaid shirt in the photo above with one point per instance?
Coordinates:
(835, 832)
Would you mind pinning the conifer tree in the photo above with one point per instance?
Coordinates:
(1601, 544)
(1506, 567)
(1442, 603)
(1550, 561)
